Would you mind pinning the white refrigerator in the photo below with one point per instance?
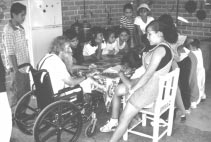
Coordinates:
(42, 24)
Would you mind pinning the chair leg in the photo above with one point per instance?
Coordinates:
(125, 136)
(170, 120)
(156, 129)
(144, 119)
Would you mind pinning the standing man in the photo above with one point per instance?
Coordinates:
(16, 50)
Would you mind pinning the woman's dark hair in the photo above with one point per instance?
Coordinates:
(167, 19)
(108, 33)
(70, 34)
(127, 6)
(17, 8)
(169, 31)
(93, 34)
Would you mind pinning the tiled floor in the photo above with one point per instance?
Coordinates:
(197, 128)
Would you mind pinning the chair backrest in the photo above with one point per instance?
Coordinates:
(43, 87)
(167, 91)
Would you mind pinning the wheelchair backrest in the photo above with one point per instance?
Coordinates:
(43, 87)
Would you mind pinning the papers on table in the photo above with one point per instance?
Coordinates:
(114, 69)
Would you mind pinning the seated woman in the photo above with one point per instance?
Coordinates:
(56, 61)
(93, 49)
(142, 91)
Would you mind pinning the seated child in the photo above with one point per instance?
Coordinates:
(123, 36)
(132, 59)
(200, 71)
(93, 49)
(77, 49)
(77, 27)
(110, 42)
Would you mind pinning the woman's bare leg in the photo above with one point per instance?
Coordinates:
(116, 102)
(127, 115)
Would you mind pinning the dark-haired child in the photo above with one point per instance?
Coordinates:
(17, 52)
(110, 41)
(127, 21)
(93, 49)
(75, 45)
(122, 45)
(76, 51)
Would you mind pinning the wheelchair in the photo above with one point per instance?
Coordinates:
(55, 117)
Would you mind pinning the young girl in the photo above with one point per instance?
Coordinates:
(200, 71)
(93, 49)
(110, 42)
(121, 45)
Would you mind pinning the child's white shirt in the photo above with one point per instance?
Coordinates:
(139, 22)
(118, 46)
(109, 47)
(90, 50)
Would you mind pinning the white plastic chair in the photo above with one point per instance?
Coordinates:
(165, 101)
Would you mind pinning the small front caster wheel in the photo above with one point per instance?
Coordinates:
(90, 130)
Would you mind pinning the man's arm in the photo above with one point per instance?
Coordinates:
(73, 81)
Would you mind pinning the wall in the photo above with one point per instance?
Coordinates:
(196, 28)
(96, 11)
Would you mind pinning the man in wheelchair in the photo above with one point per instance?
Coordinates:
(56, 62)
(61, 104)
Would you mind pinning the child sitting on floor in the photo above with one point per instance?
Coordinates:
(121, 45)
(93, 49)
(110, 42)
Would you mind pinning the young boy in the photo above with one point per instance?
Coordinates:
(15, 46)
(127, 21)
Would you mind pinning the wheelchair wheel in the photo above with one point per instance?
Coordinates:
(64, 122)
(26, 113)
(89, 132)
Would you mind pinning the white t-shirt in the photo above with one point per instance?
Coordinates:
(109, 47)
(90, 50)
(139, 22)
(57, 71)
(118, 46)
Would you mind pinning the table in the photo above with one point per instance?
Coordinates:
(105, 82)
(106, 61)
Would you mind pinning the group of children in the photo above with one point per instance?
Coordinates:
(126, 37)
(100, 42)
(130, 39)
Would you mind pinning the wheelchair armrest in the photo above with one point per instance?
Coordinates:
(68, 92)
(28, 65)
(67, 89)
(24, 65)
